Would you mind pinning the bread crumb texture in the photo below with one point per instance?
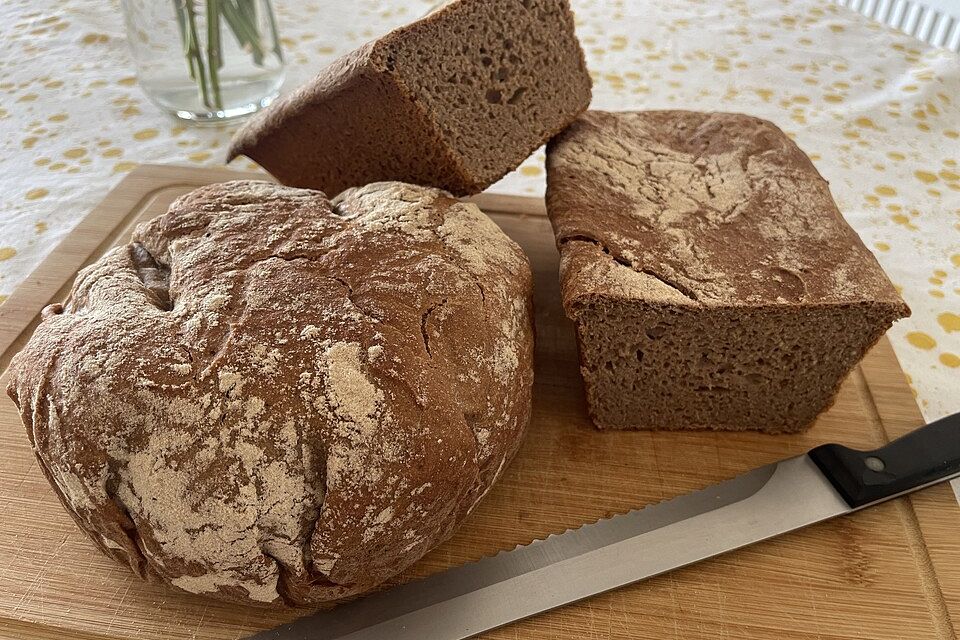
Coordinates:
(272, 397)
(456, 99)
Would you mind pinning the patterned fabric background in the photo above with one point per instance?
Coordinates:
(878, 112)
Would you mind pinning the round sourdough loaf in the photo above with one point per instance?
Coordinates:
(272, 397)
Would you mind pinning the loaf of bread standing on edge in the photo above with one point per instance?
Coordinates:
(455, 100)
(712, 280)
(269, 397)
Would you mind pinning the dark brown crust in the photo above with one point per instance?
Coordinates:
(272, 398)
(706, 202)
(677, 214)
(352, 125)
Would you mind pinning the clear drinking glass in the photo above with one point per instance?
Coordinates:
(206, 60)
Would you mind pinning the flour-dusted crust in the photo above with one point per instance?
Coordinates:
(719, 208)
(272, 397)
(712, 280)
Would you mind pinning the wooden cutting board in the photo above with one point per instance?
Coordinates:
(889, 572)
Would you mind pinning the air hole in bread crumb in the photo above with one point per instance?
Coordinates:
(655, 333)
(494, 96)
(517, 95)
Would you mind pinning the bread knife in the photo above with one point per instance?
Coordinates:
(828, 481)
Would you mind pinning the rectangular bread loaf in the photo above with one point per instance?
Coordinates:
(713, 282)
(454, 100)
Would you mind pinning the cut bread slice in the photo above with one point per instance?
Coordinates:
(455, 100)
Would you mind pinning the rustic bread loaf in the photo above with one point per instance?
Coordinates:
(454, 100)
(270, 397)
(712, 280)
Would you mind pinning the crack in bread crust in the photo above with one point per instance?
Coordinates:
(723, 207)
(240, 402)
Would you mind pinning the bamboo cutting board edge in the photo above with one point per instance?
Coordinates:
(929, 518)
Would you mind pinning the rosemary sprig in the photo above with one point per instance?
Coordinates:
(244, 29)
(214, 50)
(249, 10)
(241, 16)
(275, 35)
(192, 46)
(178, 11)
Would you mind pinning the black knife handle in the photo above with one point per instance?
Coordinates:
(922, 457)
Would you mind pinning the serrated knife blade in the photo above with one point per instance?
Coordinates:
(828, 481)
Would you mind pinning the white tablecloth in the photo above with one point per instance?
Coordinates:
(877, 111)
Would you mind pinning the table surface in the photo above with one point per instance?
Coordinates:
(877, 111)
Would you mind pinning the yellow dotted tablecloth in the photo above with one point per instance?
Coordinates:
(878, 112)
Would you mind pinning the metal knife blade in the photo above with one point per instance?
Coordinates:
(829, 481)
(512, 585)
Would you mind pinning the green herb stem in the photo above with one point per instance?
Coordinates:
(178, 12)
(275, 35)
(214, 50)
(246, 31)
(242, 18)
(193, 52)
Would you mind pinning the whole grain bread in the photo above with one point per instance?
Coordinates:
(712, 279)
(270, 397)
(455, 100)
